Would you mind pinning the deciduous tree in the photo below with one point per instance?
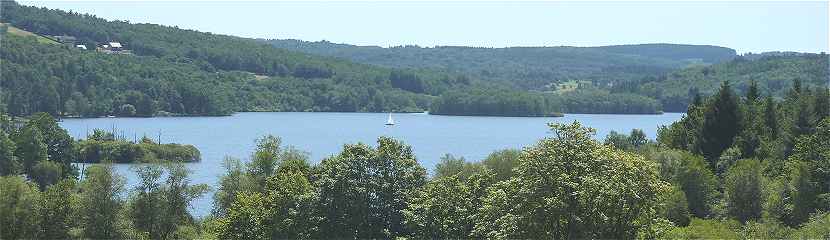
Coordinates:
(19, 209)
(743, 187)
(8, 161)
(363, 190)
(100, 203)
(570, 186)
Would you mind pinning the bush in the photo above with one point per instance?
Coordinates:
(690, 173)
(502, 163)
(674, 207)
(706, 229)
(743, 188)
(817, 228)
(46, 173)
(767, 229)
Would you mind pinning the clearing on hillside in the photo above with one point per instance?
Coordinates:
(20, 32)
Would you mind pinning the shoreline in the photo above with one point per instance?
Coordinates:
(555, 115)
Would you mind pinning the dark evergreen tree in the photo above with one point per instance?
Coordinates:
(721, 124)
(771, 117)
(822, 104)
(752, 94)
(8, 162)
(407, 81)
(697, 99)
(796, 87)
(801, 124)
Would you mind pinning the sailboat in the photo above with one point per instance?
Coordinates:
(390, 122)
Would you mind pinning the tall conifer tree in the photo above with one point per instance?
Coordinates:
(721, 123)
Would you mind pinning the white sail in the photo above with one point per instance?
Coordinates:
(390, 121)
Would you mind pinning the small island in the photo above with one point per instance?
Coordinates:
(103, 146)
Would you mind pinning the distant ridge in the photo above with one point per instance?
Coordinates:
(534, 68)
(708, 53)
(774, 73)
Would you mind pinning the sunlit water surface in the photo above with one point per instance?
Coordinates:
(324, 134)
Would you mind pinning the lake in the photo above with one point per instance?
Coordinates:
(324, 134)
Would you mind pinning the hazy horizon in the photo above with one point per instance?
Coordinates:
(744, 26)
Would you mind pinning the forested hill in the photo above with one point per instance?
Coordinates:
(528, 67)
(183, 72)
(677, 52)
(165, 70)
(774, 72)
(215, 51)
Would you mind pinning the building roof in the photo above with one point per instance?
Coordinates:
(81, 46)
(115, 45)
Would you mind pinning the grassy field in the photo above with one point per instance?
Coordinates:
(569, 86)
(24, 33)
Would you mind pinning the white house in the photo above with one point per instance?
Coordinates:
(115, 46)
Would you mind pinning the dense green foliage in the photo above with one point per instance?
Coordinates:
(566, 186)
(495, 102)
(750, 161)
(742, 185)
(767, 157)
(65, 81)
(571, 186)
(209, 50)
(95, 207)
(102, 146)
(634, 141)
(619, 68)
(183, 72)
(527, 67)
(501, 163)
(456, 166)
(772, 73)
(689, 173)
(173, 71)
(504, 102)
(383, 192)
(180, 72)
(602, 101)
(41, 196)
(41, 149)
(38, 147)
(706, 54)
(447, 207)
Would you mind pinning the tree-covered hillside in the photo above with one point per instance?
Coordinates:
(64, 81)
(501, 102)
(774, 74)
(678, 52)
(185, 72)
(171, 71)
(209, 50)
(528, 67)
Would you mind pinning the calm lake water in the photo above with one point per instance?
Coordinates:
(324, 134)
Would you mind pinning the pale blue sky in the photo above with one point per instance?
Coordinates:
(744, 26)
